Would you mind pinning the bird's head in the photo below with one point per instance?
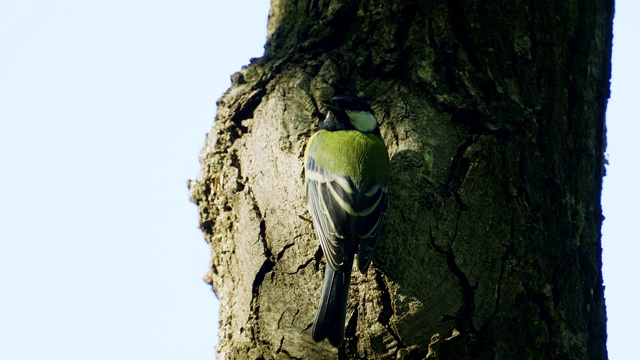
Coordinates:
(348, 112)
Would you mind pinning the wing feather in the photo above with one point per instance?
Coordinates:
(369, 224)
(325, 196)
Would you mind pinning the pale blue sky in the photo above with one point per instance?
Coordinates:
(104, 107)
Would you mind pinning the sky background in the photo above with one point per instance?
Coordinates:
(104, 107)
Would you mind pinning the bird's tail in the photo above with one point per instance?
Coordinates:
(329, 322)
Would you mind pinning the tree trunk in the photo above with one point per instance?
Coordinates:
(493, 113)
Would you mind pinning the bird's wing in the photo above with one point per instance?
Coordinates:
(330, 198)
(372, 208)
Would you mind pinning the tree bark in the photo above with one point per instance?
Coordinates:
(493, 113)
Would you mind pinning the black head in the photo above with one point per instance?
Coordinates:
(348, 102)
(347, 112)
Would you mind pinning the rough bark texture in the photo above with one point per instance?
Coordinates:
(493, 113)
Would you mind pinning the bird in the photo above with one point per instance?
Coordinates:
(346, 176)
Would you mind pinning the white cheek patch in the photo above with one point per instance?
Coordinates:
(362, 120)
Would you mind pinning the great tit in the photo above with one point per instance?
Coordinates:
(346, 172)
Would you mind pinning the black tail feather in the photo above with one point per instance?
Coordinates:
(329, 322)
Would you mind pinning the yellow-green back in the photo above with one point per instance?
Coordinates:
(362, 157)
